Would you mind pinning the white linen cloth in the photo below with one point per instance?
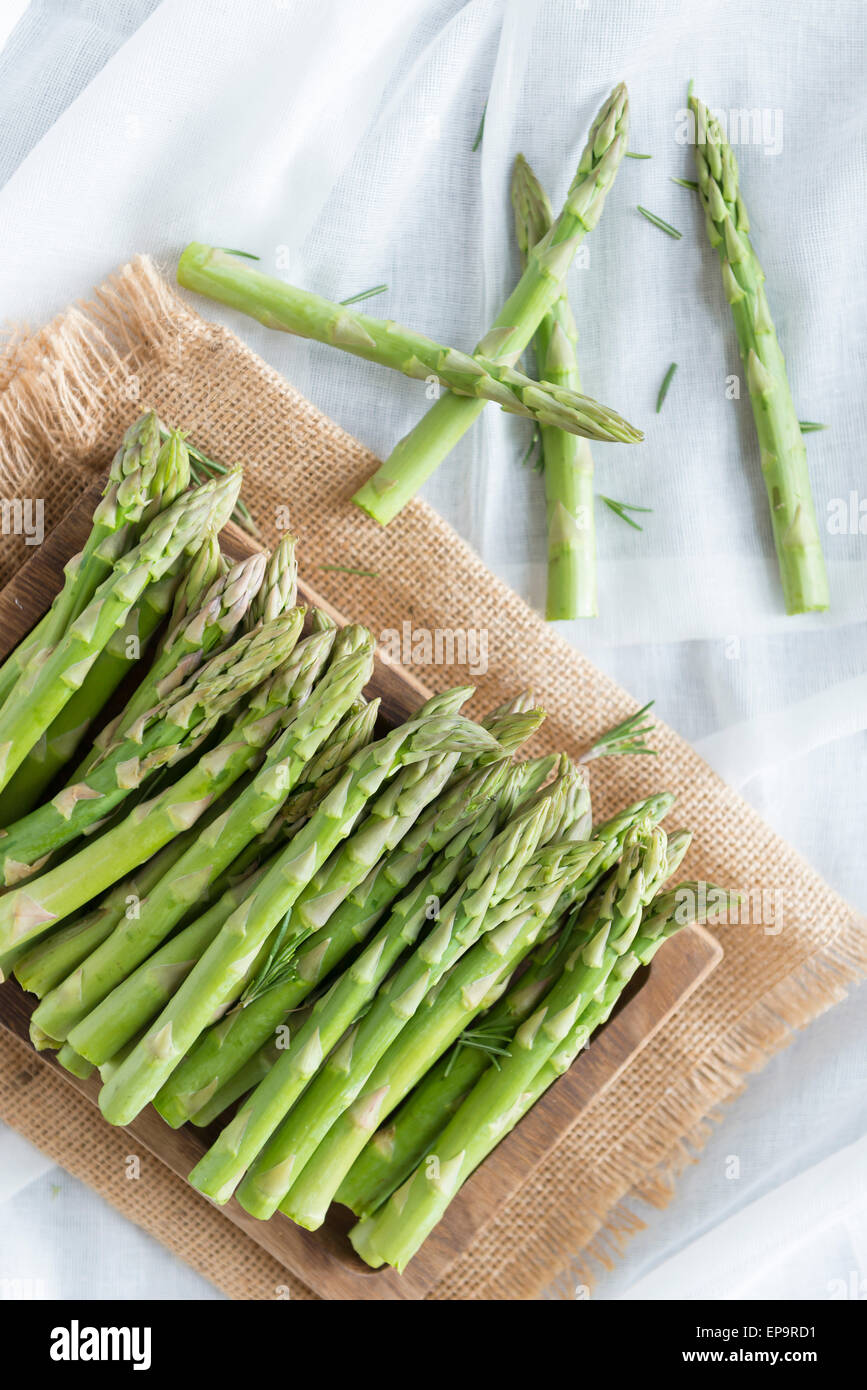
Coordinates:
(335, 140)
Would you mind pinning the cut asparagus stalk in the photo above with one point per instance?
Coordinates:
(783, 453)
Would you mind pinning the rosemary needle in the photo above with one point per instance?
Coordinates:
(666, 382)
(481, 130)
(365, 294)
(621, 508)
(661, 223)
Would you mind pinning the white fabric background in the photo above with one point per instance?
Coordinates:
(335, 140)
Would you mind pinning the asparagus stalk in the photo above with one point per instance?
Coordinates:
(135, 491)
(279, 588)
(783, 454)
(138, 998)
(424, 448)
(214, 848)
(51, 960)
(228, 280)
(196, 630)
(158, 740)
(66, 732)
(27, 912)
(49, 684)
(493, 879)
(219, 977)
(442, 831)
(568, 462)
(610, 926)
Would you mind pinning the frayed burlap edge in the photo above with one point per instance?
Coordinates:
(68, 391)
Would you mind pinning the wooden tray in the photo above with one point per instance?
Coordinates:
(324, 1259)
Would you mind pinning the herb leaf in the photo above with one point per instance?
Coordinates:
(661, 223)
(365, 294)
(621, 508)
(666, 382)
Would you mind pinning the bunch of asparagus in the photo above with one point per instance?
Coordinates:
(364, 953)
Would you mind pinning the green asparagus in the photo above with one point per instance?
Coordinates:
(568, 462)
(220, 975)
(783, 454)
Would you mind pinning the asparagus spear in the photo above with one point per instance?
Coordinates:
(171, 730)
(279, 588)
(197, 628)
(229, 1044)
(225, 278)
(494, 878)
(51, 960)
(219, 977)
(425, 447)
(48, 684)
(609, 926)
(783, 454)
(66, 732)
(567, 458)
(139, 997)
(28, 911)
(135, 490)
(205, 568)
(215, 847)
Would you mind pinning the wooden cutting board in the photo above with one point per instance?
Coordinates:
(324, 1259)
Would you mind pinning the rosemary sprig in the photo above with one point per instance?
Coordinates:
(481, 130)
(660, 223)
(810, 426)
(626, 737)
(209, 467)
(621, 508)
(279, 967)
(666, 382)
(484, 1039)
(365, 294)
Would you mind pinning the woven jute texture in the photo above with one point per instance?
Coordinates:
(66, 394)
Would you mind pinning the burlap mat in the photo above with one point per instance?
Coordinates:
(66, 393)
